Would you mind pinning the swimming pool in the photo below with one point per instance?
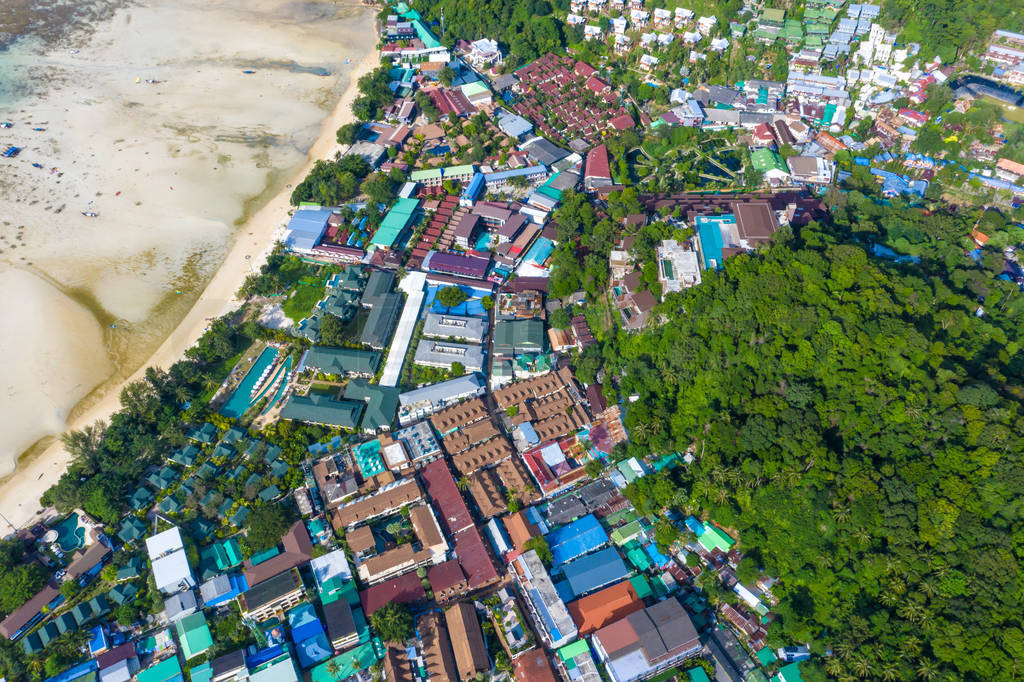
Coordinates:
(242, 398)
(70, 535)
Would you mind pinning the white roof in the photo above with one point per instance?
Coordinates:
(394, 455)
(172, 570)
(162, 543)
(331, 565)
(119, 672)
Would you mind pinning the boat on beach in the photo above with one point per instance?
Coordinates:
(90, 214)
(11, 152)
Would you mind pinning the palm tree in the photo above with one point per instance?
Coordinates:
(862, 666)
(888, 598)
(890, 672)
(834, 667)
(463, 483)
(841, 513)
(333, 669)
(927, 669)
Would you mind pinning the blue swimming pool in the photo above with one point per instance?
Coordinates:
(70, 535)
(242, 397)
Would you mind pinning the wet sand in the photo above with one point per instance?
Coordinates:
(191, 157)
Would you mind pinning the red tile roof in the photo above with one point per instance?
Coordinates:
(474, 559)
(445, 496)
(404, 589)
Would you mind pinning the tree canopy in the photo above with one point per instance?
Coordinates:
(392, 622)
(265, 527)
(858, 426)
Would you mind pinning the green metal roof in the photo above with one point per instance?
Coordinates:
(434, 173)
(381, 403)
(698, 675)
(641, 585)
(570, 651)
(396, 220)
(193, 634)
(161, 672)
(343, 360)
(765, 160)
(766, 656)
(713, 538)
(322, 409)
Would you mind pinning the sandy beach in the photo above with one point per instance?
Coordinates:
(211, 238)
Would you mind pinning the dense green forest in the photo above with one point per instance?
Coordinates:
(859, 427)
(948, 27)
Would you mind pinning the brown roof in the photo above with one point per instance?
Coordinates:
(397, 666)
(533, 666)
(374, 505)
(425, 526)
(360, 539)
(755, 220)
(533, 388)
(606, 606)
(437, 647)
(457, 441)
(482, 455)
(296, 548)
(486, 490)
(29, 610)
(459, 415)
(393, 558)
(519, 529)
(644, 301)
(514, 477)
(467, 640)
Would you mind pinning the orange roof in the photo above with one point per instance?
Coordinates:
(980, 238)
(607, 606)
(519, 529)
(1009, 165)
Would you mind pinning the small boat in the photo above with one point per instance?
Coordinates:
(39, 130)
(249, 71)
(11, 152)
(90, 214)
(37, 165)
(152, 81)
(6, 124)
(73, 51)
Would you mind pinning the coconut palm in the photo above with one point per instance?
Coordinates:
(862, 666)
(841, 513)
(927, 669)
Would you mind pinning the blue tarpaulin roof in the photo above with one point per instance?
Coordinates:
(576, 539)
(303, 622)
(594, 571)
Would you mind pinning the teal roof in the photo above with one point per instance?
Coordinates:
(170, 504)
(239, 517)
(131, 530)
(201, 673)
(269, 493)
(397, 219)
(342, 360)
(193, 635)
(713, 538)
(381, 403)
(322, 409)
(698, 675)
(435, 173)
(164, 671)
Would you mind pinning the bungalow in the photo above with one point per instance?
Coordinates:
(683, 16)
(1008, 170)
(719, 45)
(591, 32)
(665, 39)
(647, 62)
(623, 44)
(647, 39)
(639, 17)
(575, 19)
(662, 18)
(692, 37)
(761, 136)
(619, 25)
(706, 24)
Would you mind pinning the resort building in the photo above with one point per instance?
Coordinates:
(432, 353)
(278, 593)
(171, 571)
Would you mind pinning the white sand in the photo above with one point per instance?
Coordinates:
(126, 264)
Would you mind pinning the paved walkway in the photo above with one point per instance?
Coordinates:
(413, 286)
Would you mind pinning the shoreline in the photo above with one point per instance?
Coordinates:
(20, 491)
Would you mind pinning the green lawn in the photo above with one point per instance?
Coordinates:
(308, 291)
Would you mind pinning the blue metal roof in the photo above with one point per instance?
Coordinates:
(474, 187)
(307, 227)
(594, 571)
(576, 539)
(526, 171)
